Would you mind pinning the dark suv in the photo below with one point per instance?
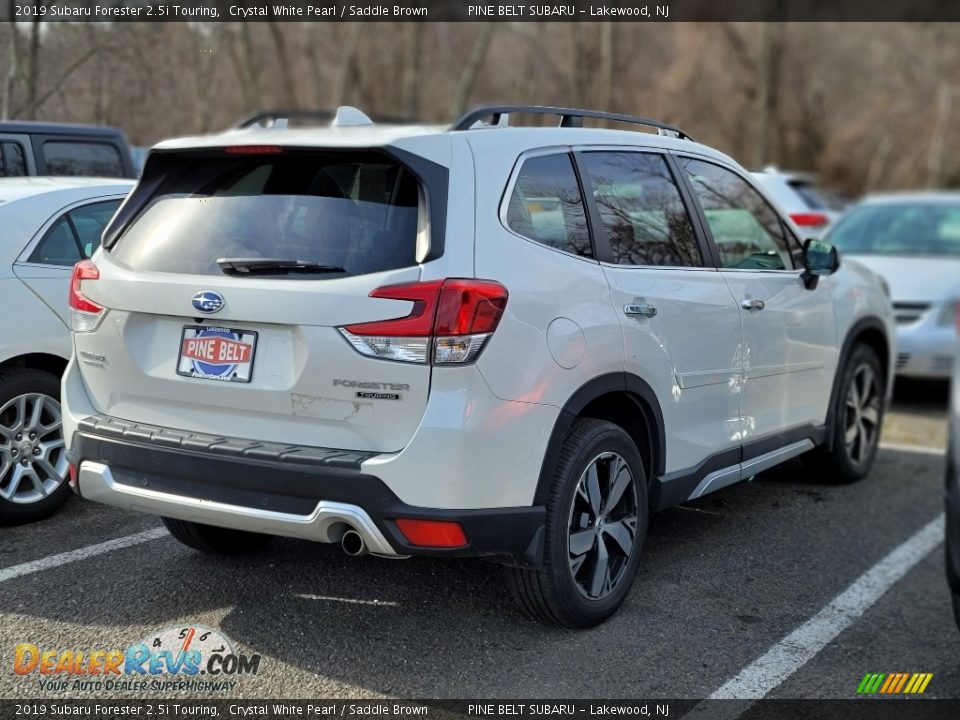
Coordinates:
(38, 148)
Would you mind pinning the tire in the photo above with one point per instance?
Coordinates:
(848, 462)
(956, 608)
(568, 591)
(35, 489)
(215, 540)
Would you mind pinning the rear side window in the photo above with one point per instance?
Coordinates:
(641, 209)
(746, 230)
(12, 161)
(358, 210)
(75, 234)
(89, 159)
(546, 205)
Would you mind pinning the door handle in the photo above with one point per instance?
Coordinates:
(639, 309)
(752, 304)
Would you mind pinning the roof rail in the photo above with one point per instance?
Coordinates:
(569, 117)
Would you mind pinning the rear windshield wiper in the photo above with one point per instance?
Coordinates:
(273, 266)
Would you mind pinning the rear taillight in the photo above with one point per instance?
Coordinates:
(253, 150)
(449, 323)
(85, 315)
(809, 220)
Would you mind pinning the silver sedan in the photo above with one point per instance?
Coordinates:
(912, 240)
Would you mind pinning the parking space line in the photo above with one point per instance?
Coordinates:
(922, 449)
(83, 553)
(767, 672)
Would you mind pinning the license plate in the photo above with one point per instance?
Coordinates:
(216, 353)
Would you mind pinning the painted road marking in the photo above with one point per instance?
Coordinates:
(922, 449)
(782, 660)
(83, 553)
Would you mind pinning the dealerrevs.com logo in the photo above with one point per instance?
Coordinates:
(193, 658)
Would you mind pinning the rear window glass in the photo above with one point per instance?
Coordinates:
(88, 159)
(356, 210)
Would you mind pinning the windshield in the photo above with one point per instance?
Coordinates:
(900, 229)
(357, 211)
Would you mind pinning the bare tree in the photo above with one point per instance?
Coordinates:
(10, 77)
(468, 76)
(347, 62)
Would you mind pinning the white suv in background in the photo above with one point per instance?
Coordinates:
(477, 340)
(812, 209)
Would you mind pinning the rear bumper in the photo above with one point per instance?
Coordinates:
(310, 493)
(925, 351)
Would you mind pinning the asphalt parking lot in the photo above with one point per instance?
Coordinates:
(724, 580)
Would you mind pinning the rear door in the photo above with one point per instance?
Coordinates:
(68, 237)
(790, 332)
(681, 327)
(198, 345)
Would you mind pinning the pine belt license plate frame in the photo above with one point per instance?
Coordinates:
(224, 364)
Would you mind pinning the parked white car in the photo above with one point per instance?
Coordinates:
(811, 208)
(478, 340)
(48, 225)
(913, 241)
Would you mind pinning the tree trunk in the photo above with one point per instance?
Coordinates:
(33, 69)
(607, 60)
(10, 78)
(412, 68)
(345, 71)
(283, 61)
(938, 134)
(470, 71)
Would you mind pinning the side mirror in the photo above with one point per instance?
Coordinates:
(819, 258)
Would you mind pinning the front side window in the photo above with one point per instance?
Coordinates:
(546, 205)
(641, 209)
(355, 212)
(86, 159)
(75, 234)
(747, 232)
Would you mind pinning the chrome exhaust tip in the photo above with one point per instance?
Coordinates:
(353, 544)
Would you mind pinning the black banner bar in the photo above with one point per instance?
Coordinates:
(854, 709)
(481, 11)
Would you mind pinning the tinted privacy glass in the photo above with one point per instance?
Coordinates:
(75, 234)
(91, 159)
(12, 162)
(747, 232)
(900, 229)
(546, 205)
(641, 209)
(356, 210)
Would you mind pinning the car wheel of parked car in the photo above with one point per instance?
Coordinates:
(215, 540)
(859, 417)
(597, 516)
(33, 460)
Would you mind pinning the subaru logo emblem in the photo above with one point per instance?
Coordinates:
(208, 301)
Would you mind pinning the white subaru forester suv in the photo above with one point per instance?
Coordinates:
(477, 340)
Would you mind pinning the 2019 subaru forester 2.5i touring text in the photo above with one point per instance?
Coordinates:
(478, 340)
